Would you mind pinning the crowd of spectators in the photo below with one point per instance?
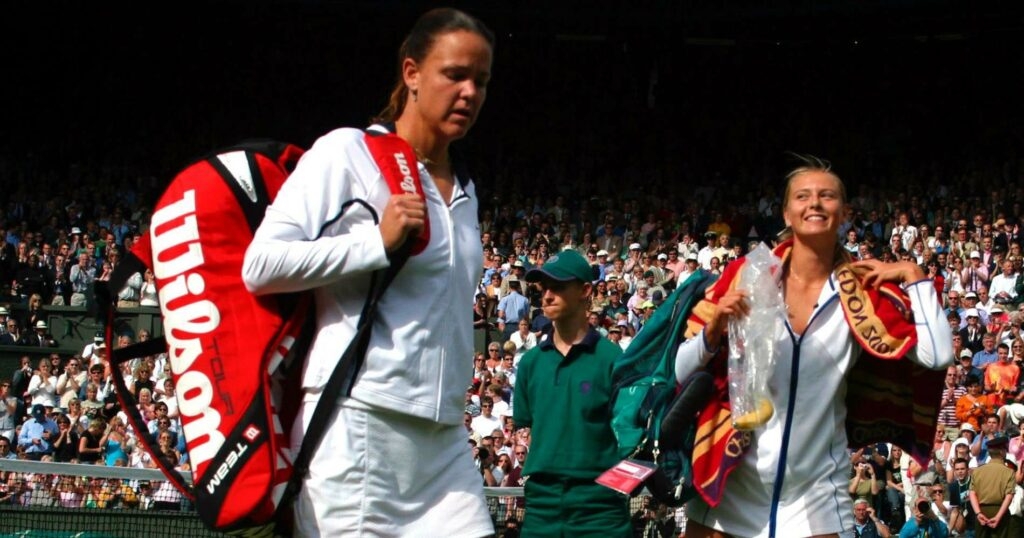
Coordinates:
(968, 240)
(64, 407)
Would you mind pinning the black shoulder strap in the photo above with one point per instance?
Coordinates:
(343, 377)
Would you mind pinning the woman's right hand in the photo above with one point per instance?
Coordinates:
(403, 215)
(733, 303)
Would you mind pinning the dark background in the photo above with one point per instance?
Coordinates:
(901, 90)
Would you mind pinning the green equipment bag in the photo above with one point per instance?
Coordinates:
(653, 413)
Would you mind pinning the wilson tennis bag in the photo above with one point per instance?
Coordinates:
(235, 357)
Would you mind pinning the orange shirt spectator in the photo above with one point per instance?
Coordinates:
(974, 405)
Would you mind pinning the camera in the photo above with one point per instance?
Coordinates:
(925, 507)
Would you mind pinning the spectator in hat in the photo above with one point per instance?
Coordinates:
(999, 324)
(614, 306)
(707, 252)
(4, 315)
(1010, 418)
(1016, 509)
(973, 332)
(975, 274)
(648, 308)
(972, 299)
(601, 264)
(635, 303)
(572, 439)
(929, 488)
(992, 489)
(515, 272)
(961, 448)
(37, 434)
(652, 278)
(90, 348)
(39, 337)
(633, 258)
(615, 335)
(690, 266)
(664, 276)
(966, 368)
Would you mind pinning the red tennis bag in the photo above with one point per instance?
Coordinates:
(232, 354)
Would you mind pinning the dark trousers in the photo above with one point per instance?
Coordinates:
(574, 507)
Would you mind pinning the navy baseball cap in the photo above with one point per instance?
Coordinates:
(565, 266)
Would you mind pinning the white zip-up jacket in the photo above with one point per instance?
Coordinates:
(321, 233)
(794, 478)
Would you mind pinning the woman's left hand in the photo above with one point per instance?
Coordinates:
(875, 272)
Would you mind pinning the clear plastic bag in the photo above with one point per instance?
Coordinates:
(752, 340)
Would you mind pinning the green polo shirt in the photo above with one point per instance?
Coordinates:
(564, 400)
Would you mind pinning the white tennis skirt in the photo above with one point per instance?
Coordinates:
(380, 473)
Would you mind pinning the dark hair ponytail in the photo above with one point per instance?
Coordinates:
(417, 45)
